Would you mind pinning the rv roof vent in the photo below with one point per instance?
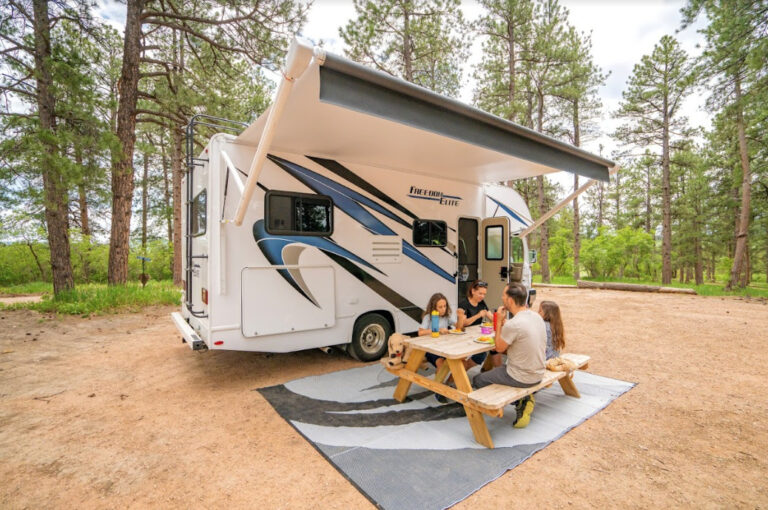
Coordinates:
(386, 249)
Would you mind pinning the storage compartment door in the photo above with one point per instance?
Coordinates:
(284, 299)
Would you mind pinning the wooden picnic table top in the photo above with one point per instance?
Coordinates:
(452, 345)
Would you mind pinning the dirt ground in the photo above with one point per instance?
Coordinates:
(115, 411)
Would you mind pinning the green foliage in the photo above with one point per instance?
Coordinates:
(421, 41)
(561, 251)
(101, 298)
(26, 288)
(18, 266)
(625, 253)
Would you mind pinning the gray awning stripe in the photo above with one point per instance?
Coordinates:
(345, 83)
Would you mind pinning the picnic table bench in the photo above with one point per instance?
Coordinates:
(490, 400)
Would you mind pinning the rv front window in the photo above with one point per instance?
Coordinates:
(199, 212)
(430, 233)
(298, 213)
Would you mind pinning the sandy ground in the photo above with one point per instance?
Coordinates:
(9, 300)
(115, 411)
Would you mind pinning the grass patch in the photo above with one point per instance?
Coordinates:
(28, 288)
(755, 289)
(97, 298)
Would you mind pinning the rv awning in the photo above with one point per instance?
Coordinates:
(344, 111)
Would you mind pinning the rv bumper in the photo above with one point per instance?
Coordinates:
(187, 333)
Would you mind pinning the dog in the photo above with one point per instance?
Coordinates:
(398, 351)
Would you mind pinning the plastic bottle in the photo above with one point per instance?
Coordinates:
(435, 324)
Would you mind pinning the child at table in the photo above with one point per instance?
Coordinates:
(447, 321)
(553, 321)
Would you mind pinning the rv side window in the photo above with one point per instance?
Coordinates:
(298, 213)
(494, 249)
(430, 233)
(199, 214)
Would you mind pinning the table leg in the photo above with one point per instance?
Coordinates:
(568, 387)
(442, 372)
(476, 420)
(414, 362)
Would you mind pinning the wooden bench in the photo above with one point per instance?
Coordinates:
(492, 399)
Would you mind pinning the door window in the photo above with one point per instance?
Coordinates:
(494, 242)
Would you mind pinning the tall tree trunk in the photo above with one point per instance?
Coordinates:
(576, 235)
(54, 188)
(698, 266)
(85, 224)
(618, 201)
(666, 222)
(543, 230)
(85, 228)
(168, 201)
(144, 204)
(37, 260)
(122, 168)
(648, 199)
(746, 274)
(407, 56)
(600, 190)
(177, 158)
(741, 238)
(511, 68)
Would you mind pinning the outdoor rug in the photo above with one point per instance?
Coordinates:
(404, 456)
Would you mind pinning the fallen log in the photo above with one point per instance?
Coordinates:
(555, 285)
(634, 287)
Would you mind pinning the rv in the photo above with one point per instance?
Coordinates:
(334, 217)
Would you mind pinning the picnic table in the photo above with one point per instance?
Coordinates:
(489, 400)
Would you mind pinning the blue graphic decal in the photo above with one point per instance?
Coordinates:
(419, 257)
(351, 202)
(509, 211)
(346, 199)
(275, 248)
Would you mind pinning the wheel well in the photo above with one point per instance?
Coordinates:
(384, 313)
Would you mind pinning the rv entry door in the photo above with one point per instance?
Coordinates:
(494, 241)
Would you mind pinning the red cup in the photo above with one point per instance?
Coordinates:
(495, 323)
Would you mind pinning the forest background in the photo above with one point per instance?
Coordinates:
(92, 145)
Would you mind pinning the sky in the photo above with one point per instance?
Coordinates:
(622, 32)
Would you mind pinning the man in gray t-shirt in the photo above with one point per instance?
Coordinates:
(524, 339)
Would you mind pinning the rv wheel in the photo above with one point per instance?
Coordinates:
(369, 339)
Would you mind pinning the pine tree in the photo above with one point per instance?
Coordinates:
(651, 108)
(421, 41)
(507, 28)
(235, 28)
(734, 65)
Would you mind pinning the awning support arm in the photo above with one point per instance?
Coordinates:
(299, 56)
(567, 200)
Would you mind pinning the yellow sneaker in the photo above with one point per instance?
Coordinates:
(527, 405)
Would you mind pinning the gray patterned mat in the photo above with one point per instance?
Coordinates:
(404, 456)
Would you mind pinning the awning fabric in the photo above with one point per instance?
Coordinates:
(347, 112)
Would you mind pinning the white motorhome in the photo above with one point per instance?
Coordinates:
(334, 217)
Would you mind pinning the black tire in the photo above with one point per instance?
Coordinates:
(369, 337)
